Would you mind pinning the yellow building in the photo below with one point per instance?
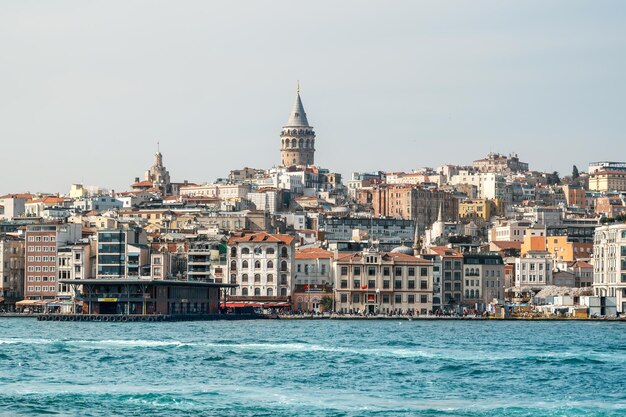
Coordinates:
(480, 207)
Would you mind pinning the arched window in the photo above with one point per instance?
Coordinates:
(471, 293)
(286, 143)
(283, 266)
(270, 251)
(233, 251)
(270, 292)
(233, 279)
(477, 293)
(294, 161)
(466, 293)
(257, 291)
(294, 132)
(233, 291)
(467, 271)
(257, 264)
(283, 292)
(301, 143)
(244, 292)
(244, 264)
(257, 277)
(258, 250)
(283, 252)
(233, 265)
(283, 279)
(293, 143)
(245, 251)
(270, 264)
(300, 131)
(270, 278)
(244, 278)
(306, 143)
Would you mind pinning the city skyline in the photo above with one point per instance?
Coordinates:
(90, 89)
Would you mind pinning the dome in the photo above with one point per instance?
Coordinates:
(403, 249)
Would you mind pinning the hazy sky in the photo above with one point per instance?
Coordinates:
(87, 88)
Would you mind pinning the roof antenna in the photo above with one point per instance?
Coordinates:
(298, 86)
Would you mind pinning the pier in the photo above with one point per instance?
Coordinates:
(146, 317)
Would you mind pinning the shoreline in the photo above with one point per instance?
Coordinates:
(230, 317)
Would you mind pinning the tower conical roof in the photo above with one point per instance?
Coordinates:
(298, 116)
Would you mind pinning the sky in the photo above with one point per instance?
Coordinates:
(87, 88)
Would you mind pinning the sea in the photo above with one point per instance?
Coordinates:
(313, 368)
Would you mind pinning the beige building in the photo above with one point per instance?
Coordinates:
(383, 282)
(607, 181)
(609, 263)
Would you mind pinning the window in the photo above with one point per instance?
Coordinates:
(257, 292)
(244, 278)
(270, 251)
(270, 264)
(283, 292)
(423, 285)
(233, 251)
(356, 284)
(386, 271)
(411, 299)
(386, 284)
(257, 277)
(371, 271)
(398, 271)
(343, 298)
(257, 264)
(344, 270)
(270, 278)
(245, 265)
(397, 284)
(356, 298)
(411, 285)
(411, 271)
(356, 271)
(283, 266)
(284, 252)
(244, 292)
(398, 298)
(385, 298)
(371, 284)
(245, 251)
(270, 292)
(423, 299)
(344, 283)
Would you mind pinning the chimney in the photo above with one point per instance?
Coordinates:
(136, 179)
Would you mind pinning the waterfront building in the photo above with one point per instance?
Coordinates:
(483, 280)
(383, 282)
(313, 279)
(43, 242)
(533, 269)
(606, 166)
(297, 138)
(609, 262)
(12, 264)
(451, 272)
(261, 264)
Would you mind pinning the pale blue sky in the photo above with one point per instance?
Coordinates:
(87, 88)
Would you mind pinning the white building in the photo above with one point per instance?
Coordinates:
(609, 261)
(261, 264)
(533, 270)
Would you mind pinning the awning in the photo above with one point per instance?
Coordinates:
(25, 303)
(254, 304)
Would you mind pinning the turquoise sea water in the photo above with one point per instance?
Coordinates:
(313, 368)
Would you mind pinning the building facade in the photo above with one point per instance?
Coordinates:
(609, 263)
(373, 282)
(261, 264)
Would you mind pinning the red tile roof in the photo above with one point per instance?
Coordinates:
(313, 253)
(261, 237)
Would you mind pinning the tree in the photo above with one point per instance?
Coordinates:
(327, 303)
(553, 179)
(575, 173)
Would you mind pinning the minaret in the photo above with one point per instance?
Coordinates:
(297, 137)
(416, 240)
